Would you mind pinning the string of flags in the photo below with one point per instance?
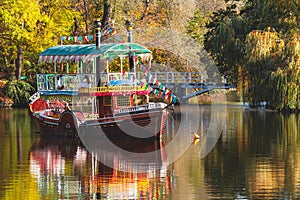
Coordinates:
(76, 39)
(109, 31)
(91, 38)
(162, 91)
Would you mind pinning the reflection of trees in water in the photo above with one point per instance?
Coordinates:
(16, 140)
(10, 119)
(258, 157)
(15, 127)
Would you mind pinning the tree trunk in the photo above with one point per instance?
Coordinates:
(147, 2)
(86, 16)
(4, 58)
(75, 26)
(107, 13)
(19, 64)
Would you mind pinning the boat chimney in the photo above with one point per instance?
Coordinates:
(97, 27)
(128, 25)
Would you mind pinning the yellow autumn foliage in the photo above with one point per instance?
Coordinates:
(2, 83)
(263, 44)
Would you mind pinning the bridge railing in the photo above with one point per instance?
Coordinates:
(163, 77)
(178, 77)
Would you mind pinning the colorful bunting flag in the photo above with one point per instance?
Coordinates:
(91, 38)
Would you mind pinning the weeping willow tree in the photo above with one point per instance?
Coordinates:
(263, 52)
(286, 78)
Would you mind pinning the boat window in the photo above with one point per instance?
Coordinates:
(84, 82)
(41, 82)
(51, 81)
(70, 82)
(107, 101)
(123, 101)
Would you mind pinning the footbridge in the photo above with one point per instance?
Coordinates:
(189, 84)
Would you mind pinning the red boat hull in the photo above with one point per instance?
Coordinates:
(136, 125)
(144, 124)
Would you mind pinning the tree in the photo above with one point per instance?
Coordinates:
(18, 21)
(258, 43)
(19, 91)
(28, 27)
(224, 41)
(263, 51)
(107, 13)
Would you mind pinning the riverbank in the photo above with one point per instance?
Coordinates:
(5, 102)
(231, 97)
(217, 97)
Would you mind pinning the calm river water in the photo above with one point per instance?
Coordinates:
(255, 155)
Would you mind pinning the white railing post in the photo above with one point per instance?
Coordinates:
(167, 77)
(173, 77)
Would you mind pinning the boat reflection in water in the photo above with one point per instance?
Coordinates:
(64, 169)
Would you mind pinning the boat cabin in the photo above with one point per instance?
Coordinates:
(94, 87)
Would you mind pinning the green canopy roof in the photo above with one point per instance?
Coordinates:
(86, 52)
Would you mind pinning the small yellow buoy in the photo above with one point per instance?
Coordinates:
(196, 138)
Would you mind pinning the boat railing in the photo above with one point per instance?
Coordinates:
(110, 89)
(163, 77)
(111, 76)
(132, 109)
(178, 77)
(48, 82)
(151, 105)
(117, 88)
(34, 97)
(64, 82)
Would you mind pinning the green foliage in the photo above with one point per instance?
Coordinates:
(18, 91)
(224, 41)
(196, 28)
(258, 46)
